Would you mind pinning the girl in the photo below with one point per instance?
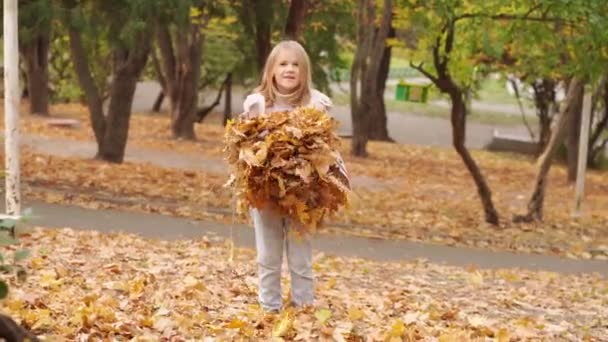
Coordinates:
(286, 82)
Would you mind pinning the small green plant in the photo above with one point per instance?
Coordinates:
(10, 262)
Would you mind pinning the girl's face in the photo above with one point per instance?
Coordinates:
(287, 71)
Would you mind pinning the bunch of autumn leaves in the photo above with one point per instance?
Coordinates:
(287, 160)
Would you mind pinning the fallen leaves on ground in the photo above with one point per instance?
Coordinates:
(90, 286)
(408, 192)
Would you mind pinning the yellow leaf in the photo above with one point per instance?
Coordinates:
(503, 335)
(355, 314)
(136, 287)
(323, 315)
(195, 12)
(397, 329)
(331, 283)
(235, 324)
(476, 278)
(262, 153)
(284, 325)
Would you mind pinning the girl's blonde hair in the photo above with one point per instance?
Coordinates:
(268, 87)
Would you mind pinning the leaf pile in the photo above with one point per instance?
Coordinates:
(287, 160)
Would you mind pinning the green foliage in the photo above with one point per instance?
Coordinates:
(62, 77)
(551, 39)
(325, 34)
(11, 265)
(34, 16)
(221, 52)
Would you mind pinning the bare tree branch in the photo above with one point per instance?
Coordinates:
(420, 68)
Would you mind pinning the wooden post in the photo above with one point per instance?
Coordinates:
(582, 156)
(11, 108)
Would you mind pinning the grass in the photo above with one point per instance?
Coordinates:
(494, 91)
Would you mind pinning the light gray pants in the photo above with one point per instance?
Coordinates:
(271, 234)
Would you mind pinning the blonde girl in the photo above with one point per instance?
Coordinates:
(286, 84)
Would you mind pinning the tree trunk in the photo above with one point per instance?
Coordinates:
(574, 132)
(458, 119)
(181, 74)
(378, 129)
(85, 78)
(228, 100)
(365, 71)
(535, 205)
(263, 30)
(544, 100)
(36, 56)
(128, 66)
(158, 102)
(595, 147)
(295, 19)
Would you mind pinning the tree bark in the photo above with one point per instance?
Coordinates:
(574, 132)
(596, 148)
(158, 102)
(228, 100)
(263, 30)
(378, 128)
(458, 120)
(295, 19)
(365, 71)
(36, 56)
(535, 205)
(544, 100)
(181, 66)
(85, 78)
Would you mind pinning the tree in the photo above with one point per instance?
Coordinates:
(584, 35)
(125, 25)
(536, 202)
(295, 19)
(180, 41)
(35, 34)
(365, 71)
(440, 19)
(256, 16)
(378, 128)
(574, 131)
(599, 122)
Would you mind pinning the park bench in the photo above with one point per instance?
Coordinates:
(512, 143)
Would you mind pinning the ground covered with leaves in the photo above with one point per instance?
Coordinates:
(410, 192)
(90, 286)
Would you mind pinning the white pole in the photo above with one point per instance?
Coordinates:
(582, 155)
(11, 108)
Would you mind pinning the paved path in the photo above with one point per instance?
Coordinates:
(172, 228)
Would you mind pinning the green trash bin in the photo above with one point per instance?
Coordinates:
(411, 92)
(400, 92)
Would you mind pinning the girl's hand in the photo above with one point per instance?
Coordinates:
(253, 106)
